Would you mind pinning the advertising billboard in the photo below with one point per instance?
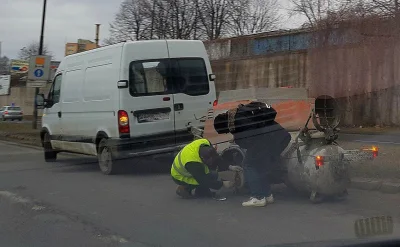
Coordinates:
(5, 84)
(19, 66)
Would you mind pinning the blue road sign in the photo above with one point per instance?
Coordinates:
(38, 72)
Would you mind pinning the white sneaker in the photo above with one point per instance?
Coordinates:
(254, 202)
(270, 199)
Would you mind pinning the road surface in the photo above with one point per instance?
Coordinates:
(70, 203)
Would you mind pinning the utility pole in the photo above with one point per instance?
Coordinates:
(97, 35)
(35, 110)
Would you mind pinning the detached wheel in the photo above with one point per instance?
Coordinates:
(108, 165)
(49, 154)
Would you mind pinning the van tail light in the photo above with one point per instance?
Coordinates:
(215, 103)
(319, 161)
(123, 122)
(6, 112)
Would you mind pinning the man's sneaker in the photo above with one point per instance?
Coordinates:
(254, 202)
(183, 192)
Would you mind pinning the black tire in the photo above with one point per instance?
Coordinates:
(49, 154)
(20, 119)
(108, 165)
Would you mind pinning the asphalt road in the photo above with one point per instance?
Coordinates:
(387, 138)
(70, 203)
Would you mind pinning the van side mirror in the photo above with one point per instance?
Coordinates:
(40, 100)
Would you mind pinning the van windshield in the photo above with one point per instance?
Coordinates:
(166, 76)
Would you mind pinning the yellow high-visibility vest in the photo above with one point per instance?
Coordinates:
(190, 153)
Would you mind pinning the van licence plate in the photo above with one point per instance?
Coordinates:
(152, 117)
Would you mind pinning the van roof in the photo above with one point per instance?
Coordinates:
(131, 42)
(60, 68)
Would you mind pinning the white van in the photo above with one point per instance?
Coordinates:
(129, 99)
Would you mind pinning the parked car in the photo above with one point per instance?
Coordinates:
(11, 113)
(129, 99)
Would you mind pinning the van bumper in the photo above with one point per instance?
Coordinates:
(127, 148)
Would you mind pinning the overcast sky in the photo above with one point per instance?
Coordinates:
(66, 21)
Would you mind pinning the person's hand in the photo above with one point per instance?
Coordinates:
(235, 168)
(228, 184)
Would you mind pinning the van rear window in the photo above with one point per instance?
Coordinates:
(166, 76)
(14, 108)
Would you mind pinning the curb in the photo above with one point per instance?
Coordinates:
(372, 133)
(370, 184)
(33, 146)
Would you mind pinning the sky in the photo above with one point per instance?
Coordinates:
(66, 21)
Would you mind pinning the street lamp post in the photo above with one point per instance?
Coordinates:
(35, 110)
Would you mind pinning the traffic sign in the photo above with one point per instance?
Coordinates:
(39, 71)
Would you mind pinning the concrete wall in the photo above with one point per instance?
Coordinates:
(266, 71)
(363, 73)
(365, 79)
(23, 97)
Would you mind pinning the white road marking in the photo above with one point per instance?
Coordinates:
(14, 197)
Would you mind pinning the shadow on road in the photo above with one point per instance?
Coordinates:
(137, 166)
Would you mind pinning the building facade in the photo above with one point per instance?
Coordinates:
(80, 46)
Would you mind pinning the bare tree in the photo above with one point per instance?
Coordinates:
(388, 7)
(130, 22)
(181, 20)
(322, 13)
(32, 49)
(154, 19)
(214, 16)
(254, 16)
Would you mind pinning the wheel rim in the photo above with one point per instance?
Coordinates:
(105, 159)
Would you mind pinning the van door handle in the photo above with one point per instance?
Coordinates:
(178, 107)
(59, 114)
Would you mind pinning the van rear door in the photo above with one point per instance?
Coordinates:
(148, 100)
(195, 93)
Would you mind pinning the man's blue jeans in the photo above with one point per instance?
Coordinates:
(257, 182)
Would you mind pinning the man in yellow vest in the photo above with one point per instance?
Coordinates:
(192, 170)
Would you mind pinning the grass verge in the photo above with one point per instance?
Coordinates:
(20, 132)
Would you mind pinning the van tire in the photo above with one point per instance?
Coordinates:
(108, 165)
(49, 154)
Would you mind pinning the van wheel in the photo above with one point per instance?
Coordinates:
(49, 154)
(108, 165)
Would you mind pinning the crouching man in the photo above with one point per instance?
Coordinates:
(193, 170)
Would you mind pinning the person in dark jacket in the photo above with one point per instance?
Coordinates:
(193, 170)
(263, 143)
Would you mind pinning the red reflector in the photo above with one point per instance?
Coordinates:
(123, 122)
(319, 161)
(375, 151)
(215, 102)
